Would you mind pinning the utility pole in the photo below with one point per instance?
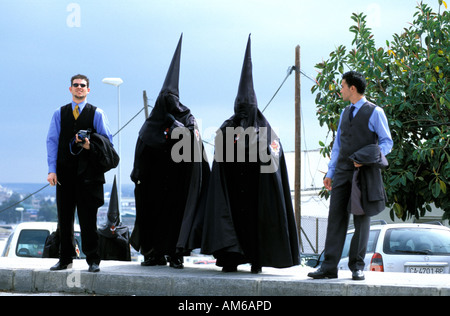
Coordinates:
(145, 104)
(298, 148)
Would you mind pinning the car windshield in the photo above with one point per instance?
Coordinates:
(421, 241)
(31, 243)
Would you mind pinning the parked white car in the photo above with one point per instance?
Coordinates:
(28, 239)
(411, 248)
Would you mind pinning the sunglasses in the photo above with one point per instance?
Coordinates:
(82, 85)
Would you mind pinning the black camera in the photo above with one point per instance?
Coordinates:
(82, 135)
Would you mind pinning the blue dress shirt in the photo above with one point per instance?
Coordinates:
(377, 123)
(101, 125)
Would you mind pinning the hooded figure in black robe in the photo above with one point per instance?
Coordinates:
(249, 215)
(113, 237)
(170, 172)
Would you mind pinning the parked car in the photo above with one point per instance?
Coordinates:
(5, 231)
(410, 248)
(28, 240)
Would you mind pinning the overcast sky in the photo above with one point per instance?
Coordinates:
(43, 43)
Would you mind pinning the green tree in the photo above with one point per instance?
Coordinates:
(48, 211)
(409, 79)
(9, 214)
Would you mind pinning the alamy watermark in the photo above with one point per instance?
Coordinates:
(74, 278)
(235, 145)
(74, 17)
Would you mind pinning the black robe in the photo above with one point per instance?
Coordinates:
(168, 191)
(113, 236)
(249, 214)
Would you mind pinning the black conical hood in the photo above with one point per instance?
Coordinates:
(113, 209)
(246, 112)
(246, 94)
(167, 107)
(173, 74)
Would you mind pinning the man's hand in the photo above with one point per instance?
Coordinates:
(87, 143)
(52, 179)
(327, 184)
(357, 165)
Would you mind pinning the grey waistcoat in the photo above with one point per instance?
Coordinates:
(355, 134)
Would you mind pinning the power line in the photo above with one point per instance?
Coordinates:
(129, 121)
(27, 197)
(289, 72)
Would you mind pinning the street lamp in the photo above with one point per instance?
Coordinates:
(117, 82)
(21, 210)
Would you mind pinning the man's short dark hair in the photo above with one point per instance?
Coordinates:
(353, 78)
(80, 77)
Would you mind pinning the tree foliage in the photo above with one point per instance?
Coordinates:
(10, 215)
(48, 211)
(409, 79)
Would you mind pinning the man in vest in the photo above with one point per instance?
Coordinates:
(361, 124)
(72, 167)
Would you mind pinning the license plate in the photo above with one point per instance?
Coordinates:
(426, 270)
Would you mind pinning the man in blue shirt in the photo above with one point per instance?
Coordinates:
(71, 167)
(360, 125)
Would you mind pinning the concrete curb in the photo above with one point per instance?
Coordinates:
(129, 278)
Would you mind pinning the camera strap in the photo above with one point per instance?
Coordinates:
(71, 151)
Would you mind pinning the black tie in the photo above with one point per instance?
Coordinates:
(352, 108)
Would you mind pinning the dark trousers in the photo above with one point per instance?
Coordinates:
(85, 198)
(338, 220)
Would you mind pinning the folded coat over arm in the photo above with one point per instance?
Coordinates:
(368, 193)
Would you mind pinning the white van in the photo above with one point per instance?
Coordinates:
(28, 240)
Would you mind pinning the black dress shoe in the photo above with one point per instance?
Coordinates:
(321, 274)
(154, 261)
(256, 269)
(176, 262)
(94, 267)
(60, 266)
(358, 275)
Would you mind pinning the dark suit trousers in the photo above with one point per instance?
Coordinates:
(71, 195)
(338, 220)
